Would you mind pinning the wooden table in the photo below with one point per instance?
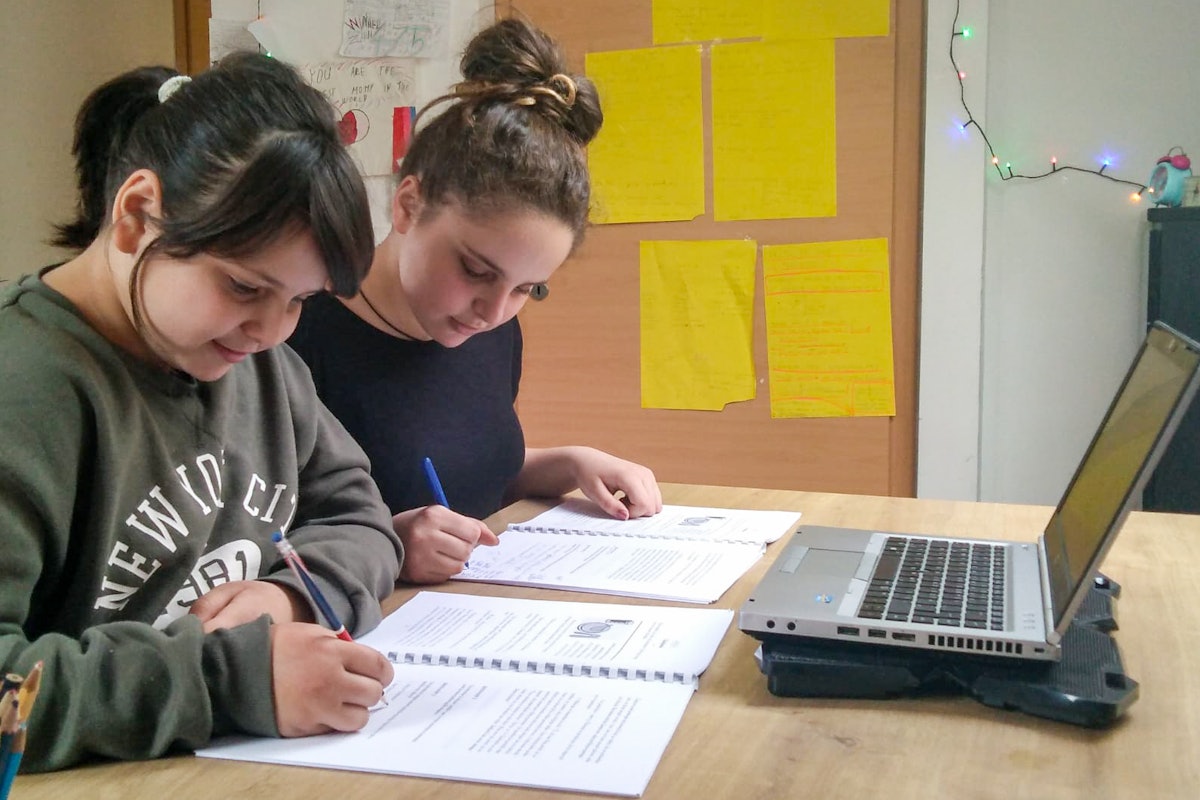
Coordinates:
(739, 741)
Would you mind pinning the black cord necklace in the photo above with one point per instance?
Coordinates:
(363, 294)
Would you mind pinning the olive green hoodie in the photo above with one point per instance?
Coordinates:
(126, 492)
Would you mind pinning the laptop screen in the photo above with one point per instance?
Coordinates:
(1139, 423)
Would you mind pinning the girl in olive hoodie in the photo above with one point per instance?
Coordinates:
(153, 437)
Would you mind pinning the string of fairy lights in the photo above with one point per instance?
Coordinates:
(1005, 170)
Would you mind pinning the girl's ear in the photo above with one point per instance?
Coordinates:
(136, 209)
(406, 204)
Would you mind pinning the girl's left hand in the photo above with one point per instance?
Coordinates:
(238, 602)
(602, 476)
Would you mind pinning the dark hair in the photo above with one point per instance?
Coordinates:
(513, 134)
(246, 152)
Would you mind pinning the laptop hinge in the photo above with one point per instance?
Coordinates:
(1052, 636)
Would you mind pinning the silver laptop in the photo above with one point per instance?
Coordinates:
(987, 597)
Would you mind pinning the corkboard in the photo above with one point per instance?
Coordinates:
(581, 381)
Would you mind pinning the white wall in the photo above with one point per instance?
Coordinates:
(52, 53)
(951, 262)
(1062, 267)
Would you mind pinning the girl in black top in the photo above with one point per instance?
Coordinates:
(426, 359)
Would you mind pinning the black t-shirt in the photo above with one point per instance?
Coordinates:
(405, 400)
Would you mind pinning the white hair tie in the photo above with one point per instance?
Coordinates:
(170, 86)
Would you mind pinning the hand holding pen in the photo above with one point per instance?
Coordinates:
(437, 540)
(344, 699)
(320, 683)
(435, 486)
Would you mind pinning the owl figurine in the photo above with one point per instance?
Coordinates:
(1167, 179)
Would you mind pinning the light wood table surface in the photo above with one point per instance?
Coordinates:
(738, 741)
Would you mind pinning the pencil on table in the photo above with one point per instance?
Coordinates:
(12, 762)
(29, 692)
(8, 712)
(8, 725)
(9, 730)
(17, 705)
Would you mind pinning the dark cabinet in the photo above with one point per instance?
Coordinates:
(1173, 296)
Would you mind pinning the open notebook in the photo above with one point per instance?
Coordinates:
(684, 553)
(558, 695)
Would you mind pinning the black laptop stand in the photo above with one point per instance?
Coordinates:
(1088, 686)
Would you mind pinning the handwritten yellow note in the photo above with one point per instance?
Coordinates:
(826, 19)
(705, 20)
(829, 329)
(697, 302)
(647, 163)
(774, 130)
(709, 20)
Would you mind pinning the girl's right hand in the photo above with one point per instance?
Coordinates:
(438, 542)
(321, 682)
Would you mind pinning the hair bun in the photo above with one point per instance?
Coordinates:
(566, 84)
(514, 62)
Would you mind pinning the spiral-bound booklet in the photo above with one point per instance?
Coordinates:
(558, 695)
(684, 553)
(698, 523)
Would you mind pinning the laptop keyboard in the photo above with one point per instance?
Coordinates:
(935, 582)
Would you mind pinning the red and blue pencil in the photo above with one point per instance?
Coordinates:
(293, 560)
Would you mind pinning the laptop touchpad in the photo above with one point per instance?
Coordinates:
(829, 562)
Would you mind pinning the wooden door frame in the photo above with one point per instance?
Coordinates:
(191, 35)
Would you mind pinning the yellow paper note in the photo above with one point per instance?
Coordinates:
(697, 303)
(826, 19)
(712, 20)
(774, 130)
(829, 329)
(706, 20)
(647, 163)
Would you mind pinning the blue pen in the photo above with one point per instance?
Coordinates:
(435, 486)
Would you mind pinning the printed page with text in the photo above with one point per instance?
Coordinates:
(684, 553)
(572, 696)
